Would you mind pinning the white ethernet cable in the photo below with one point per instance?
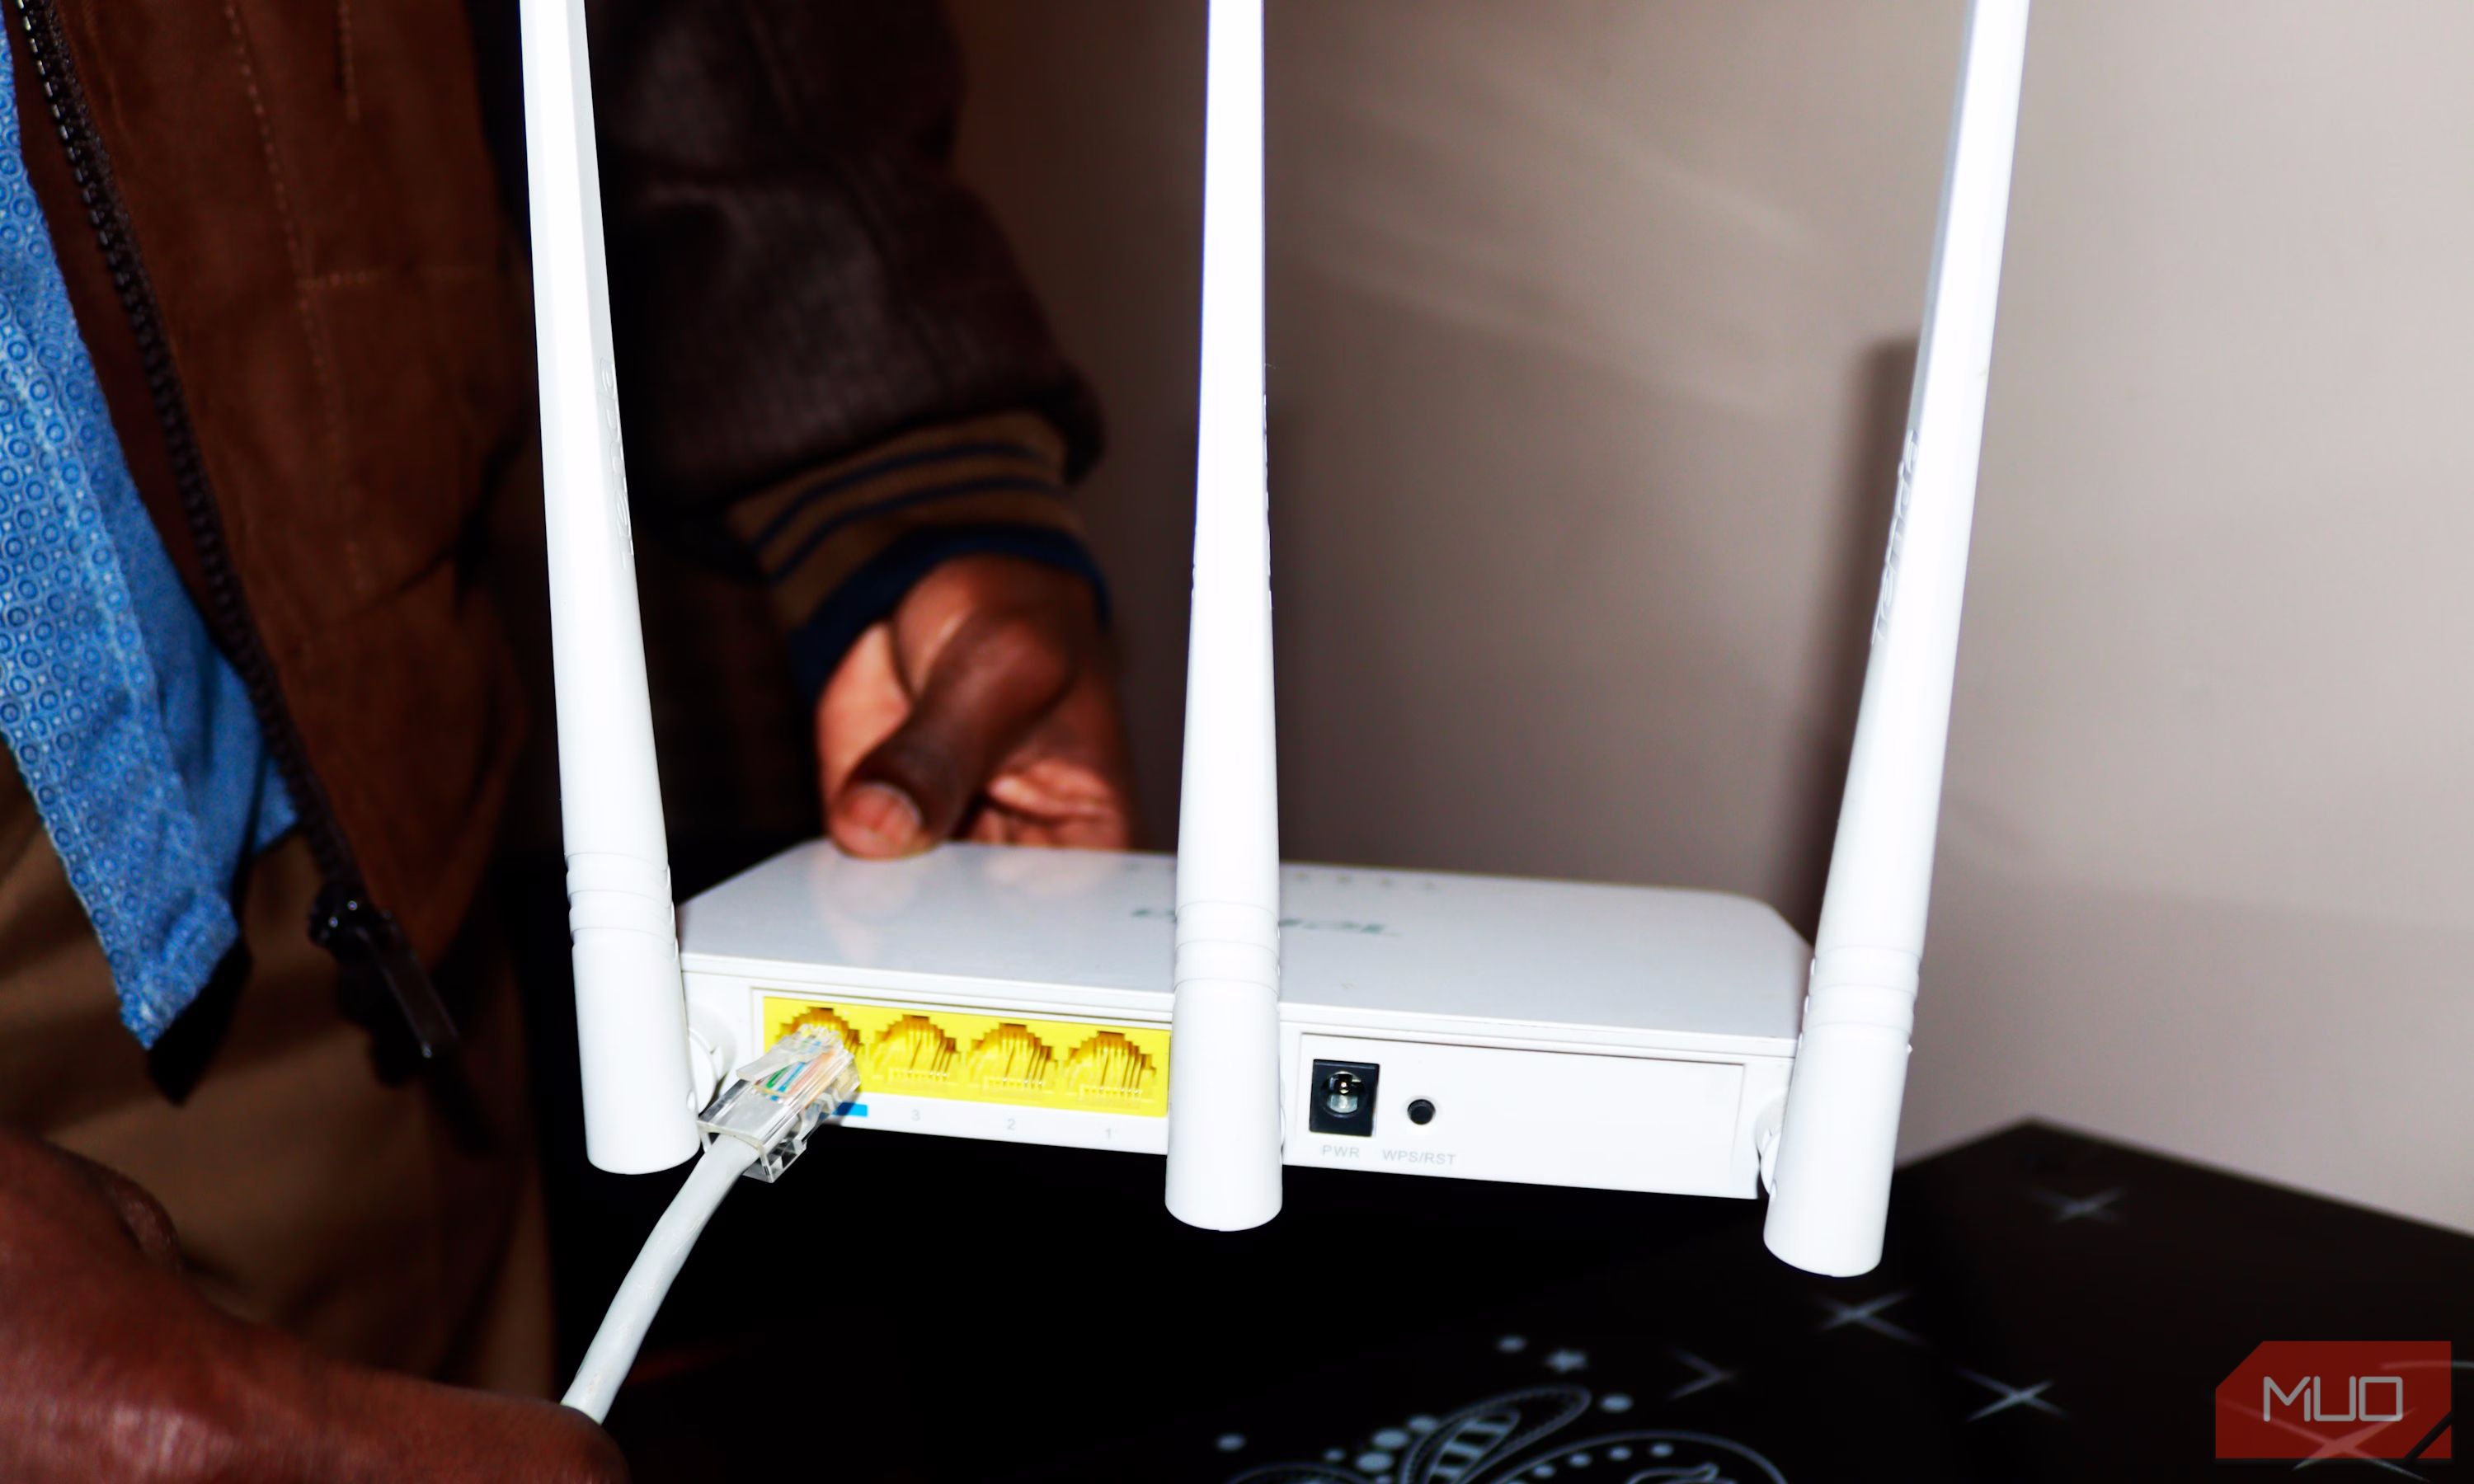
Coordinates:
(757, 1126)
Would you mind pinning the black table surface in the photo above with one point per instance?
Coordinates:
(2051, 1306)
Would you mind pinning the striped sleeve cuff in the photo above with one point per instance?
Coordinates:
(838, 548)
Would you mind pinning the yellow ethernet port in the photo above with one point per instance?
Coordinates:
(1023, 1062)
(822, 1020)
(1108, 1070)
(911, 1055)
(1010, 1059)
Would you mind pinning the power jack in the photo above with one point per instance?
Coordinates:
(1343, 1099)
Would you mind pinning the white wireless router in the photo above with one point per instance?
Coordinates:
(1231, 1013)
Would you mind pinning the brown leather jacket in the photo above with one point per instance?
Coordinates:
(289, 251)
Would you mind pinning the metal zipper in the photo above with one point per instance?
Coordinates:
(363, 937)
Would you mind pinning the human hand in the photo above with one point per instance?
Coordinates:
(985, 707)
(112, 1366)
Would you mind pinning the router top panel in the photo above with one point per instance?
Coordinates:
(1358, 942)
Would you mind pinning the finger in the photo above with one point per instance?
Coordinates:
(1054, 801)
(861, 707)
(148, 1224)
(993, 682)
(381, 1427)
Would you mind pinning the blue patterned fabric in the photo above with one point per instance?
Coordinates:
(131, 731)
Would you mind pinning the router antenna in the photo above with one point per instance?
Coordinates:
(630, 1008)
(1224, 1085)
(1830, 1192)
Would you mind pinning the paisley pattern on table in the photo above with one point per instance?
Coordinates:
(1490, 1441)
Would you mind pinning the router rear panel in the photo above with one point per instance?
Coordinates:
(1615, 1038)
(1539, 1118)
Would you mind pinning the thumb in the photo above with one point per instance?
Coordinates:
(991, 682)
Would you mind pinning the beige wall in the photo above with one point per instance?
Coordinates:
(1590, 334)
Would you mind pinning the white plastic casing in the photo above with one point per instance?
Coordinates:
(630, 1011)
(1830, 1183)
(1223, 1142)
(1621, 1038)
